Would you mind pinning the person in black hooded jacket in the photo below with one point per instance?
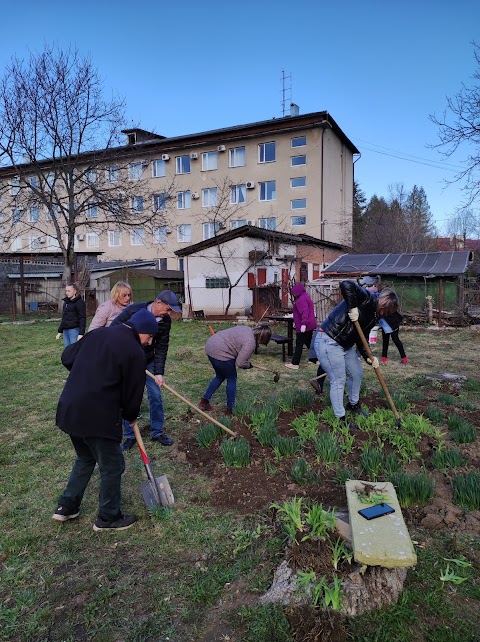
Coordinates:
(74, 316)
(337, 342)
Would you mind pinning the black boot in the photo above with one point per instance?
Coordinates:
(349, 424)
(357, 409)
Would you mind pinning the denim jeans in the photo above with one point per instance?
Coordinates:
(339, 363)
(70, 336)
(157, 415)
(109, 457)
(223, 370)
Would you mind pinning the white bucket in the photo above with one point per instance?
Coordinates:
(372, 338)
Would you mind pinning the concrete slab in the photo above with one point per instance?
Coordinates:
(384, 541)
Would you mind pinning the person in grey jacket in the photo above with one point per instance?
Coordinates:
(228, 349)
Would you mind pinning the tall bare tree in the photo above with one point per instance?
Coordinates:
(459, 127)
(62, 170)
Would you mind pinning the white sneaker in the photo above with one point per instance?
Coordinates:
(291, 366)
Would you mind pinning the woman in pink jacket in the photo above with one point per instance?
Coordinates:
(304, 321)
(120, 297)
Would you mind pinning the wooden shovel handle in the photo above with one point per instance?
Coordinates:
(139, 439)
(194, 407)
(377, 370)
(254, 365)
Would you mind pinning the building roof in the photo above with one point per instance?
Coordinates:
(445, 243)
(416, 264)
(252, 231)
(52, 268)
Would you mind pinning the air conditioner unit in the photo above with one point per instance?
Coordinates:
(195, 195)
(165, 157)
(222, 226)
(221, 148)
(5, 239)
(42, 239)
(168, 230)
(144, 164)
(251, 222)
(250, 184)
(194, 156)
(80, 237)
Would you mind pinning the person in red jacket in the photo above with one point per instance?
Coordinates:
(304, 321)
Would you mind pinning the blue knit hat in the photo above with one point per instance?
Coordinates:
(144, 322)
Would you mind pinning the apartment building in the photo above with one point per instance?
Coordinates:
(291, 174)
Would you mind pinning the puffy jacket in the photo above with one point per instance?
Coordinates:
(157, 352)
(303, 309)
(74, 315)
(338, 325)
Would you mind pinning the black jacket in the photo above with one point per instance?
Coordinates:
(106, 382)
(74, 315)
(338, 325)
(157, 352)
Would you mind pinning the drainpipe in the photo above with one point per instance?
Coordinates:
(190, 313)
(322, 224)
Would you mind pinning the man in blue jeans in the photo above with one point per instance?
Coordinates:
(156, 356)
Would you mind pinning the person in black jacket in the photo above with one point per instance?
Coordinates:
(390, 328)
(74, 316)
(156, 356)
(106, 382)
(338, 339)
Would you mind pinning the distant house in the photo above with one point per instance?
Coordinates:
(231, 272)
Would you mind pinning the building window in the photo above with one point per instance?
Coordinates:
(267, 223)
(16, 215)
(158, 168)
(209, 161)
(184, 200)
(160, 234)
(137, 236)
(299, 141)
(35, 243)
(135, 171)
(209, 197)
(114, 238)
(92, 211)
(298, 204)
(52, 212)
(214, 283)
(33, 214)
(14, 186)
(268, 191)
(181, 263)
(113, 174)
(52, 243)
(184, 233)
(300, 181)
(238, 194)
(91, 176)
(33, 181)
(298, 160)
(183, 164)
(298, 220)
(93, 239)
(266, 152)
(159, 202)
(236, 157)
(210, 230)
(17, 244)
(136, 204)
(238, 223)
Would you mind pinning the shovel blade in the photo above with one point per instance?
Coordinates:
(164, 497)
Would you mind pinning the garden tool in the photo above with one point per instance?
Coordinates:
(194, 407)
(378, 373)
(276, 378)
(156, 491)
(314, 382)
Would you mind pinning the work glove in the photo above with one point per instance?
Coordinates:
(353, 314)
(80, 336)
(373, 362)
(59, 334)
(303, 328)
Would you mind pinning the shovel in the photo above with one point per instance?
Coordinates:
(194, 407)
(156, 491)
(276, 378)
(378, 373)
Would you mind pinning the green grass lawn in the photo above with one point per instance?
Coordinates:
(165, 578)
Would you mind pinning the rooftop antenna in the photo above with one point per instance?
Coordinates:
(286, 92)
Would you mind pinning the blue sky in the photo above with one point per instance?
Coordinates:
(378, 68)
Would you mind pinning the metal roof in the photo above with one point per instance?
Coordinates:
(414, 264)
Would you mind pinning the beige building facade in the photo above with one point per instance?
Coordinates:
(292, 175)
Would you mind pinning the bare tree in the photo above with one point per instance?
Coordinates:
(466, 224)
(459, 127)
(65, 171)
